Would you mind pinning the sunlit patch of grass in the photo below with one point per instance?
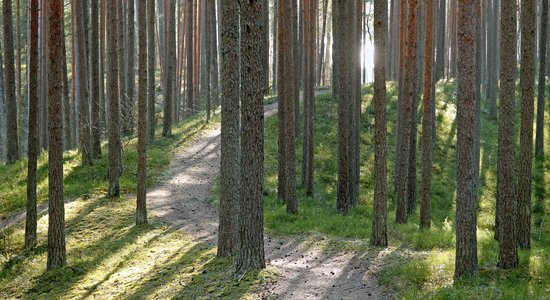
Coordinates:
(91, 180)
(109, 257)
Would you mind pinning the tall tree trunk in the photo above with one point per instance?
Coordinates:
(287, 91)
(506, 193)
(56, 211)
(141, 205)
(131, 80)
(407, 111)
(345, 30)
(528, 50)
(31, 216)
(102, 63)
(170, 61)
(151, 95)
(466, 240)
(3, 137)
(20, 112)
(112, 93)
(379, 233)
(310, 20)
(230, 167)
(251, 243)
(322, 45)
(122, 60)
(274, 63)
(208, 54)
(440, 51)
(82, 89)
(427, 125)
(214, 68)
(94, 65)
(43, 119)
(493, 80)
(69, 144)
(190, 19)
(543, 39)
(9, 85)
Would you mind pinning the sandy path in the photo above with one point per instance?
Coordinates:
(306, 272)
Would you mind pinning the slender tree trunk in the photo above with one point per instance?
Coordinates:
(43, 119)
(31, 217)
(214, 68)
(493, 80)
(170, 61)
(9, 85)
(528, 50)
(112, 93)
(407, 111)
(310, 19)
(543, 59)
(102, 63)
(250, 254)
(122, 66)
(3, 137)
(322, 45)
(82, 90)
(56, 211)
(506, 193)
(208, 54)
(427, 125)
(379, 233)
(141, 205)
(69, 144)
(274, 63)
(230, 168)
(131, 80)
(20, 113)
(94, 65)
(190, 54)
(151, 95)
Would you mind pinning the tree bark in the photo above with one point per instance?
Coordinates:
(112, 93)
(9, 86)
(250, 254)
(506, 193)
(141, 205)
(151, 94)
(345, 30)
(82, 86)
(466, 240)
(56, 211)
(208, 53)
(170, 62)
(379, 233)
(31, 216)
(131, 80)
(94, 65)
(543, 41)
(427, 125)
(322, 45)
(310, 20)
(230, 168)
(190, 19)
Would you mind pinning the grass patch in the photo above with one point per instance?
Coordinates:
(422, 263)
(109, 257)
(87, 181)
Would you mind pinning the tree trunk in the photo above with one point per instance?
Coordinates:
(122, 66)
(190, 19)
(345, 30)
(214, 68)
(466, 240)
(82, 86)
(208, 53)
(131, 80)
(112, 93)
(31, 216)
(141, 205)
(230, 168)
(69, 144)
(3, 137)
(43, 118)
(56, 211)
(310, 20)
(9, 86)
(407, 111)
(379, 233)
(274, 63)
(493, 80)
(322, 45)
(250, 254)
(102, 63)
(543, 39)
(151, 94)
(427, 125)
(94, 65)
(506, 194)
(170, 62)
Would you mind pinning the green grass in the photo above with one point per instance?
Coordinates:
(108, 256)
(421, 263)
(85, 181)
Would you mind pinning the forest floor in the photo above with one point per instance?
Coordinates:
(305, 270)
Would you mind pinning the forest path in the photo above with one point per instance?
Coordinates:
(306, 271)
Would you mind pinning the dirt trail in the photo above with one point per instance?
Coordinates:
(305, 272)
